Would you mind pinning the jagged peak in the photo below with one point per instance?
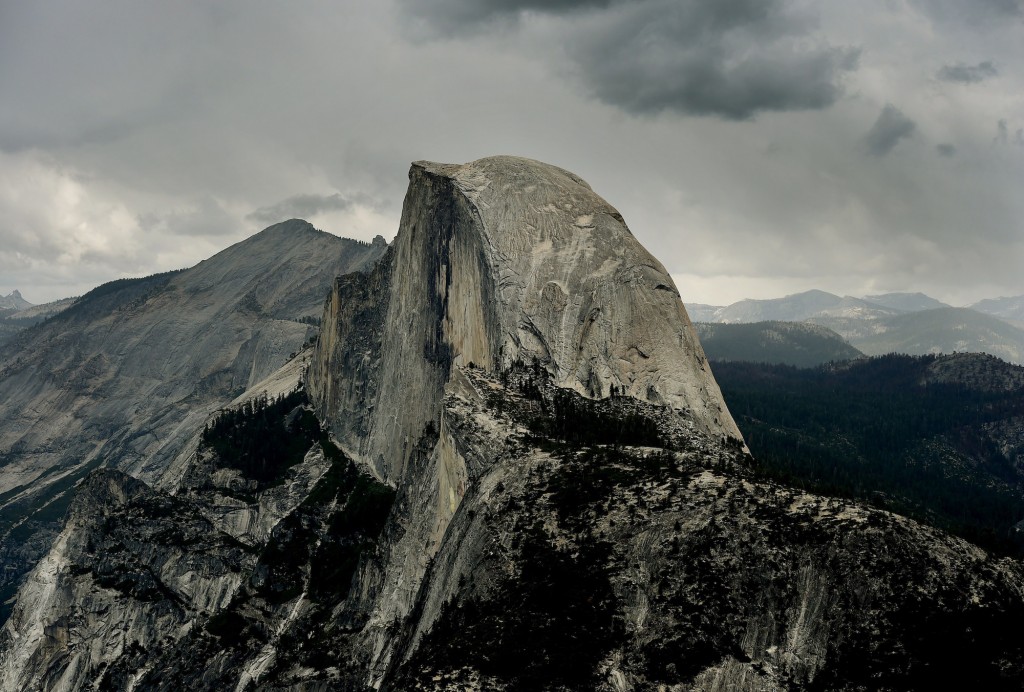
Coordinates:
(14, 300)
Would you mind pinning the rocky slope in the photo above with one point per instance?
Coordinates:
(600, 544)
(134, 567)
(14, 321)
(125, 376)
(529, 481)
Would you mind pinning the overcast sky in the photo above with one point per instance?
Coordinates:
(756, 147)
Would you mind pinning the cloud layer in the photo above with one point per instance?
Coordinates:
(754, 145)
(890, 127)
(697, 57)
(968, 74)
(305, 207)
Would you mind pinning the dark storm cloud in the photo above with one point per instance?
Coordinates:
(976, 13)
(947, 150)
(890, 127)
(452, 15)
(1003, 134)
(136, 137)
(731, 59)
(305, 206)
(968, 74)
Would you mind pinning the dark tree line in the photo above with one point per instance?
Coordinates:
(872, 430)
(566, 415)
(264, 437)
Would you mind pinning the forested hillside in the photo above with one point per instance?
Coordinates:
(936, 438)
(790, 343)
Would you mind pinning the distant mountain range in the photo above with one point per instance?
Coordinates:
(1009, 309)
(801, 344)
(911, 323)
(14, 301)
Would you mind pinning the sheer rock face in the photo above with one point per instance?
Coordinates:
(499, 260)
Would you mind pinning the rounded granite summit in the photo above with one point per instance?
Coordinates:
(576, 290)
(500, 260)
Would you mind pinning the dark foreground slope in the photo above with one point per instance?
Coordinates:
(938, 437)
(600, 545)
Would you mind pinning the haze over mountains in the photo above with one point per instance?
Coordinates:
(911, 323)
(1009, 309)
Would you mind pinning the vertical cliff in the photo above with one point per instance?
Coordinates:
(496, 261)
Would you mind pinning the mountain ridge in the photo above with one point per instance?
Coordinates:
(124, 376)
(801, 344)
(911, 323)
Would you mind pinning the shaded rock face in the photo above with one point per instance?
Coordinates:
(500, 260)
(131, 568)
